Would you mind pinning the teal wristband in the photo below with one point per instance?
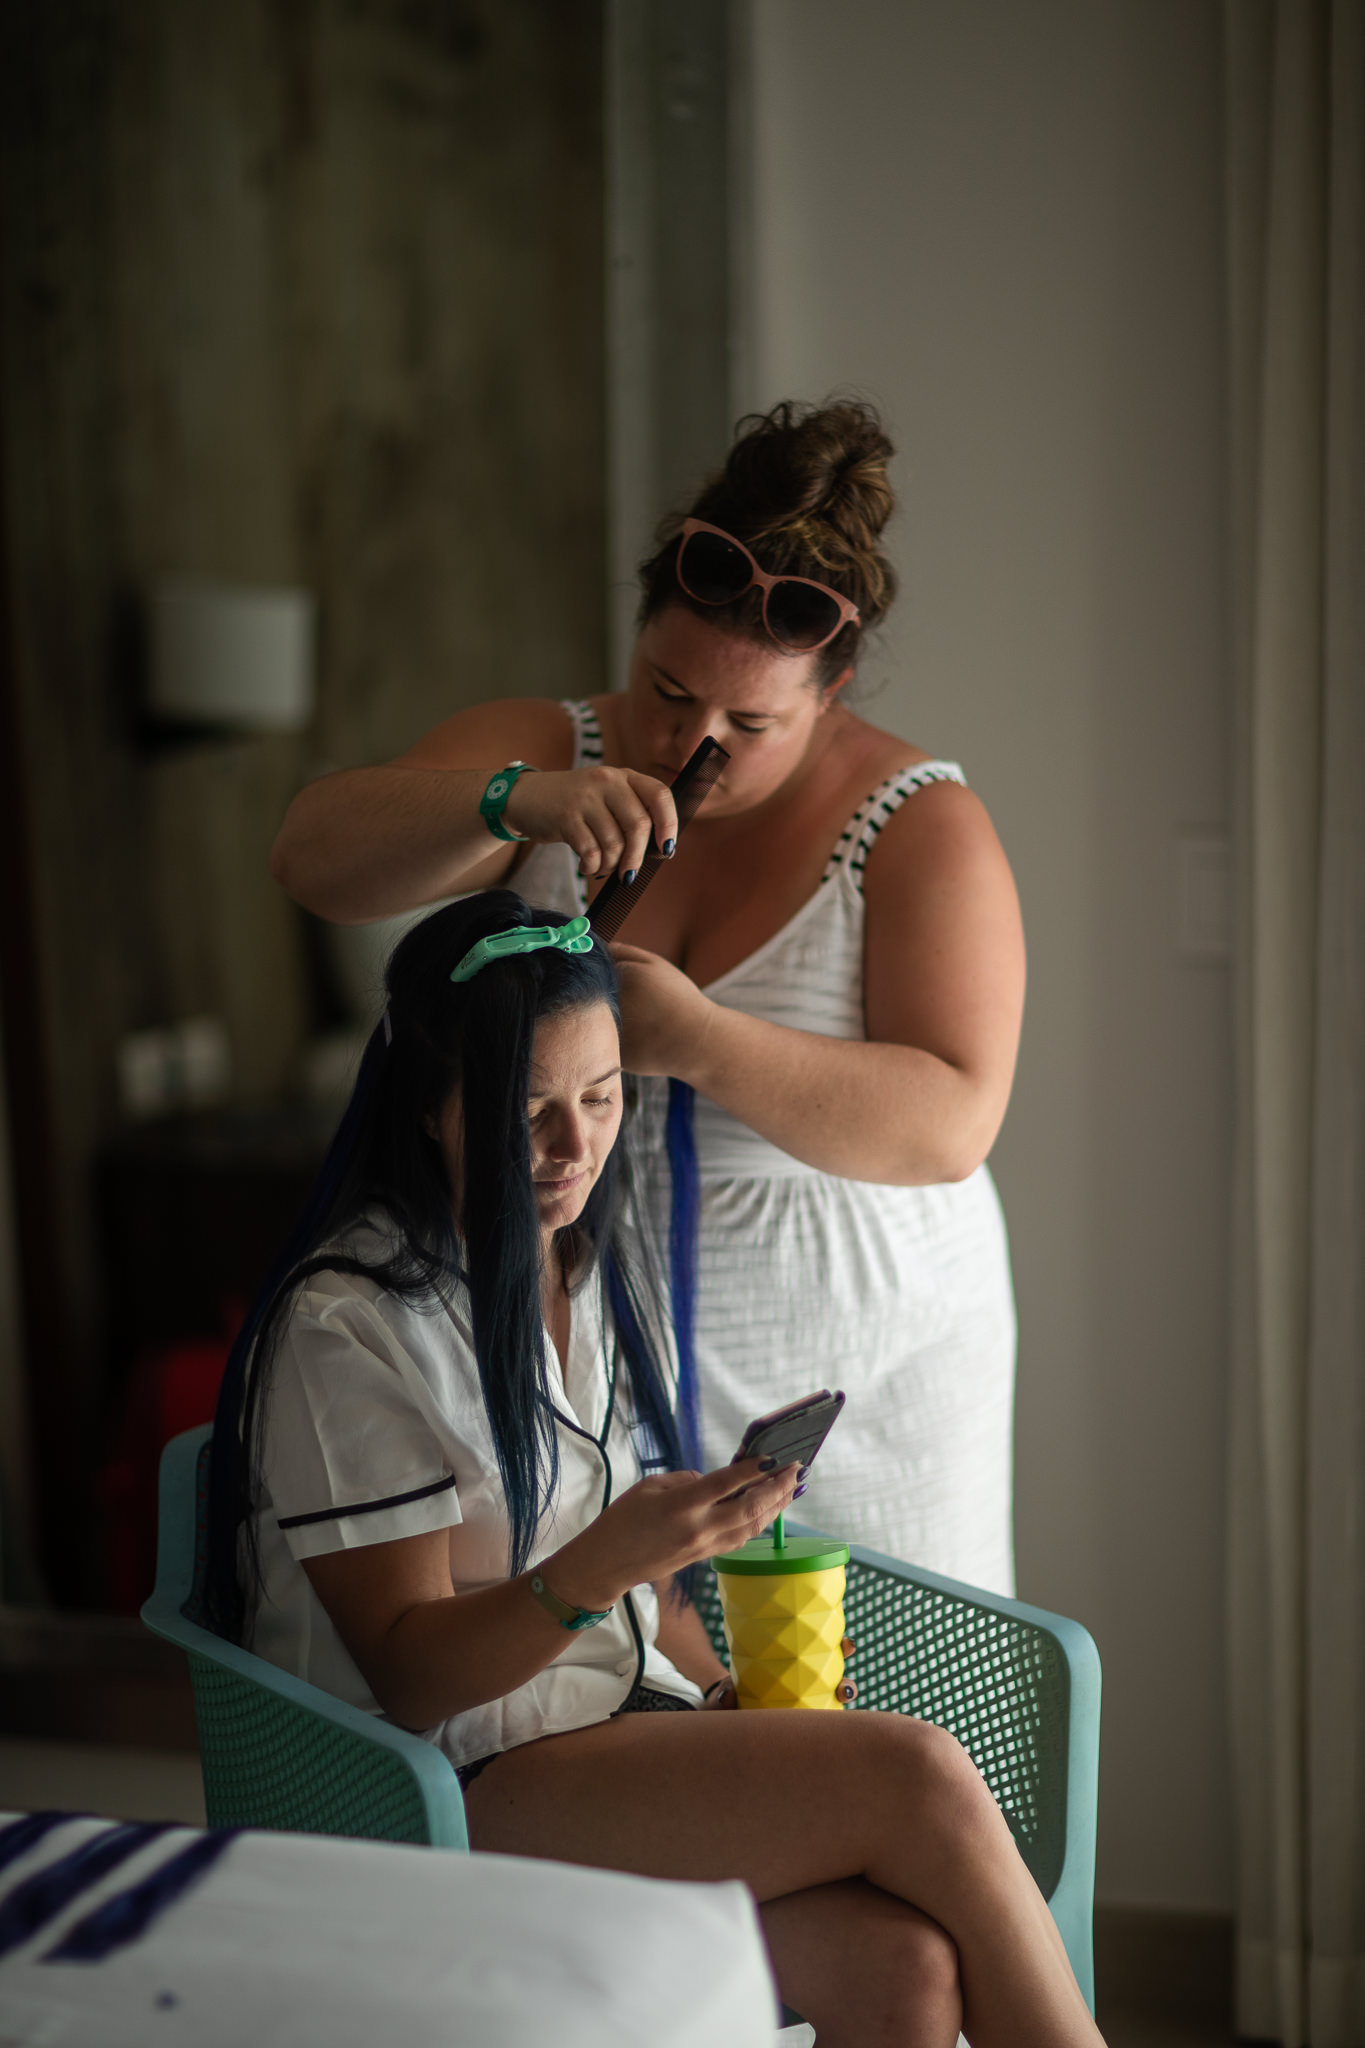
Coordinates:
(571, 1618)
(494, 798)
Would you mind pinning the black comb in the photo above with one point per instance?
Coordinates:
(613, 903)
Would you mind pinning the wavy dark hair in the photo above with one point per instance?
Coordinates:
(438, 1036)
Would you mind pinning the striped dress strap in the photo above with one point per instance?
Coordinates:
(859, 835)
(587, 733)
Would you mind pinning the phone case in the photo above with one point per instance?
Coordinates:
(793, 1434)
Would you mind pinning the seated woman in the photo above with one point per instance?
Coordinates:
(427, 1497)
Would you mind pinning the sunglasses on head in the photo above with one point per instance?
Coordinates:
(801, 616)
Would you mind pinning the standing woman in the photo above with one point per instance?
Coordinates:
(834, 967)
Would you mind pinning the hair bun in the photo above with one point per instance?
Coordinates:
(804, 462)
(836, 459)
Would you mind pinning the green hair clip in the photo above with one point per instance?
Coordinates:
(573, 937)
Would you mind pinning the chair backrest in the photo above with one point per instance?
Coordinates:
(194, 1607)
(277, 1752)
(997, 1683)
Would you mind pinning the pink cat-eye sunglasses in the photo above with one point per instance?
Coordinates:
(800, 615)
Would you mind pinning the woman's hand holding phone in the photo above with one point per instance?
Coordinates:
(664, 1523)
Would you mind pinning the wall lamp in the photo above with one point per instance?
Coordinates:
(224, 660)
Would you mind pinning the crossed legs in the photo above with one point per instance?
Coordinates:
(866, 1969)
(895, 1903)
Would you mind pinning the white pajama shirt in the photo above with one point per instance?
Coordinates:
(376, 1429)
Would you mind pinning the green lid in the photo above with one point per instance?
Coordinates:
(799, 1554)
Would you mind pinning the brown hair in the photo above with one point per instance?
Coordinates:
(805, 488)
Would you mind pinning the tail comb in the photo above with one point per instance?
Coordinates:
(613, 903)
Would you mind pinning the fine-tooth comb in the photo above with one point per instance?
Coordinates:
(613, 903)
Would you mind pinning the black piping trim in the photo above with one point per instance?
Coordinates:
(599, 1443)
(634, 1621)
(370, 1507)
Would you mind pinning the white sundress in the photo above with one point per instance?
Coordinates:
(901, 1296)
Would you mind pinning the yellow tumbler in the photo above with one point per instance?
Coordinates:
(783, 1602)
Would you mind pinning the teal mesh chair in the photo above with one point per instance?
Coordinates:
(1018, 1687)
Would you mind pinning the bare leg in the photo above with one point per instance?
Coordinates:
(865, 1969)
(792, 1801)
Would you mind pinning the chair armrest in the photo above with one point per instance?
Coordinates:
(275, 1750)
(278, 1752)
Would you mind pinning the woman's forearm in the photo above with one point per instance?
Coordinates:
(446, 1656)
(427, 1652)
(373, 842)
(683, 1638)
(874, 1112)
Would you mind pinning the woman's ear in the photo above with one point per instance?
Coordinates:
(833, 689)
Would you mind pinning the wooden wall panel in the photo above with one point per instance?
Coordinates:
(292, 291)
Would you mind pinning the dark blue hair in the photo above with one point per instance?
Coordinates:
(438, 1036)
(683, 1220)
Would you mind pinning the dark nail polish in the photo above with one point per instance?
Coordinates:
(629, 876)
(667, 848)
(767, 1464)
(798, 1493)
(803, 1471)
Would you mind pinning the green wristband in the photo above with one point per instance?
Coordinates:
(494, 798)
(571, 1618)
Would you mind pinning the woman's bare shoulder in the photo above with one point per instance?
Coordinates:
(942, 824)
(535, 729)
(869, 753)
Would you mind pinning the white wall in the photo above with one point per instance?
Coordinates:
(1001, 220)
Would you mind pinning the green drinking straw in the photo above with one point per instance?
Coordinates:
(779, 1535)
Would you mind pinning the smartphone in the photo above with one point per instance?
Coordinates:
(793, 1434)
